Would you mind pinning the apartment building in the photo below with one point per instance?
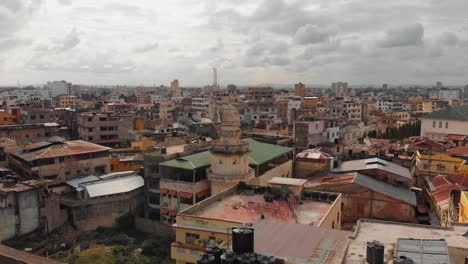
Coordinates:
(30, 133)
(59, 160)
(259, 93)
(448, 95)
(201, 105)
(105, 129)
(452, 120)
(67, 101)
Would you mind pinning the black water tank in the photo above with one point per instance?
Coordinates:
(228, 258)
(242, 240)
(247, 258)
(261, 259)
(206, 259)
(215, 251)
(375, 253)
(323, 196)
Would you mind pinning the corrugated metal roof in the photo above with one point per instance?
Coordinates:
(401, 194)
(263, 152)
(259, 154)
(77, 181)
(58, 149)
(374, 163)
(113, 186)
(454, 112)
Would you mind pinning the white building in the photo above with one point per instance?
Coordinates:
(452, 120)
(201, 105)
(389, 105)
(59, 88)
(448, 95)
(293, 106)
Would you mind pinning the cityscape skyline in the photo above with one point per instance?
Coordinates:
(146, 43)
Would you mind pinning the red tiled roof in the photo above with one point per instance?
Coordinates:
(443, 185)
(458, 151)
(425, 144)
(456, 137)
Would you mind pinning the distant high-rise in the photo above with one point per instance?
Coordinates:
(175, 87)
(57, 88)
(299, 89)
(232, 89)
(465, 93)
(340, 88)
(384, 86)
(215, 81)
(439, 85)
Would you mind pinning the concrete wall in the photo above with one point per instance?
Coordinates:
(307, 168)
(283, 170)
(454, 127)
(333, 217)
(359, 202)
(22, 214)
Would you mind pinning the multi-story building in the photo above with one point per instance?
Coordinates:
(389, 105)
(11, 116)
(67, 101)
(300, 89)
(426, 106)
(340, 88)
(166, 109)
(175, 87)
(104, 128)
(427, 163)
(259, 93)
(293, 110)
(29, 133)
(308, 134)
(57, 88)
(282, 110)
(273, 220)
(59, 160)
(448, 95)
(201, 105)
(452, 120)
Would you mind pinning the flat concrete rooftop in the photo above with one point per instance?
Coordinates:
(248, 208)
(388, 233)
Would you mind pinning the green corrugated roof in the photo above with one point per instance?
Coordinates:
(454, 112)
(263, 152)
(259, 154)
(191, 162)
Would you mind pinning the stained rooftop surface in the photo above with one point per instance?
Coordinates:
(300, 243)
(249, 208)
(388, 234)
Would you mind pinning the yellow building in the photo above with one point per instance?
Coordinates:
(209, 221)
(67, 101)
(119, 163)
(139, 145)
(463, 211)
(427, 164)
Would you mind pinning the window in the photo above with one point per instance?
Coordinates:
(433, 123)
(90, 129)
(90, 119)
(192, 238)
(440, 124)
(41, 116)
(61, 159)
(446, 124)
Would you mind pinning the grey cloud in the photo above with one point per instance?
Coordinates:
(411, 35)
(71, 40)
(311, 34)
(124, 9)
(448, 39)
(65, 2)
(15, 14)
(9, 44)
(147, 47)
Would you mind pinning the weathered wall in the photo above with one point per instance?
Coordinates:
(359, 202)
(283, 170)
(27, 204)
(55, 217)
(304, 169)
(333, 217)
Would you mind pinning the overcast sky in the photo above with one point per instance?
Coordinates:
(249, 42)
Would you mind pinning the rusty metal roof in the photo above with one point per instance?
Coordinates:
(58, 149)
